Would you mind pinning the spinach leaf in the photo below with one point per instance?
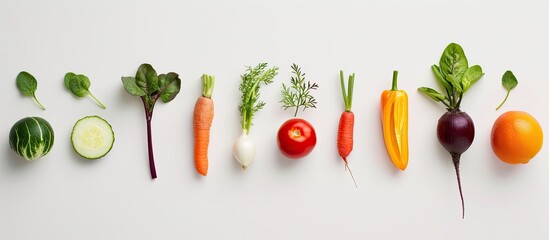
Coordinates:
(438, 74)
(67, 79)
(453, 61)
(509, 81)
(456, 84)
(147, 79)
(455, 75)
(79, 85)
(471, 76)
(434, 94)
(169, 85)
(27, 85)
(131, 87)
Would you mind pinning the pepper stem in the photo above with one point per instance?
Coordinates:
(395, 76)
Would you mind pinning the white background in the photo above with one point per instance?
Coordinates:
(63, 196)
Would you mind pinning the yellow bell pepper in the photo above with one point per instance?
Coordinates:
(394, 118)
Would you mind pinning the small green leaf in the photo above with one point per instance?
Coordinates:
(453, 61)
(26, 83)
(78, 84)
(456, 83)
(67, 79)
(132, 88)
(169, 86)
(440, 77)
(509, 81)
(434, 94)
(471, 76)
(147, 78)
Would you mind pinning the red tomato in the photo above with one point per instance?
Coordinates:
(296, 138)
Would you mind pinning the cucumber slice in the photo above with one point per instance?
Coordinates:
(92, 137)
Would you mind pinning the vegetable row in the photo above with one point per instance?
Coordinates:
(516, 136)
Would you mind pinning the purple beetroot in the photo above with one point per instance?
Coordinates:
(455, 130)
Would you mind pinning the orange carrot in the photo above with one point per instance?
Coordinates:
(202, 121)
(345, 134)
(346, 123)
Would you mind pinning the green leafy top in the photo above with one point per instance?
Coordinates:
(455, 76)
(509, 81)
(347, 95)
(79, 85)
(208, 83)
(150, 86)
(298, 94)
(27, 85)
(249, 87)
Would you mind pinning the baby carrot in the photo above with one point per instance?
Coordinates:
(202, 121)
(346, 122)
(345, 135)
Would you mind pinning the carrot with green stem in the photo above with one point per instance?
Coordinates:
(346, 122)
(202, 122)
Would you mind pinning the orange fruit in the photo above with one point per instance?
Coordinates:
(516, 137)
